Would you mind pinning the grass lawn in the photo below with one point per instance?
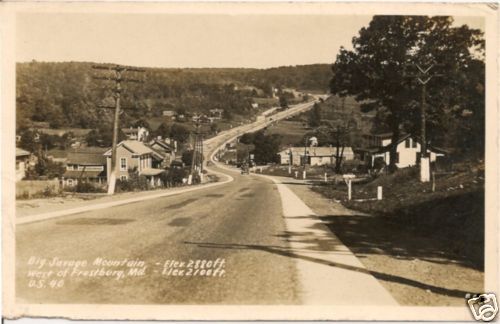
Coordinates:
(454, 213)
(434, 239)
(291, 131)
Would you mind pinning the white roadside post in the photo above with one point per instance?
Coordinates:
(296, 174)
(348, 180)
(326, 177)
(190, 179)
(304, 174)
(379, 193)
(425, 173)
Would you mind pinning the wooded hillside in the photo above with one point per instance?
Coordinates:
(66, 95)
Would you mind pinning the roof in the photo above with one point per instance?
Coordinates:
(164, 146)
(21, 152)
(86, 158)
(317, 151)
(402, 138)
(75, 174)
(436, 149)
(151, 171)
(158, 154)
(135, 147)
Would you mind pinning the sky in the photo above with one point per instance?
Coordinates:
(179, 41)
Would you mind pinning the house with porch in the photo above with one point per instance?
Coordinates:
(135, 156)
(407, 152)
(87, 165)
(314, 155)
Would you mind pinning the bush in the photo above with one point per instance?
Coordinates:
(174, 176)
(87, 187)
(135, 182)
(354, 166)
(379, 163)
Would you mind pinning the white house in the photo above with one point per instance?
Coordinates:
(314, 155)
(136, 134)
(408, 150)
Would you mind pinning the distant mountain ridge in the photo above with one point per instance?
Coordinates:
(66, 94)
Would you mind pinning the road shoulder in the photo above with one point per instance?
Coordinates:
(412, 278)
(329, 272)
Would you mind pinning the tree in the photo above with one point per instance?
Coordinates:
(333, 133)
(214, 128)
(179, 132)
(266, 147)
(376, 72)
(163, 130)
(141, 123)
(247, 138)
(187, 157)
(103, 136)
(283, 102)
(28, 141)
(315, 116)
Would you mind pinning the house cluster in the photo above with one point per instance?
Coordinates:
(149, 158)
(313, 155)
(376, 148)
(408, 150)
(212, 116)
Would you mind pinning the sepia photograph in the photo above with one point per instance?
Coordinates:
(308, 160)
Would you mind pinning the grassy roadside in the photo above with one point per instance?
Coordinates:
(426, 248)
(453, 214)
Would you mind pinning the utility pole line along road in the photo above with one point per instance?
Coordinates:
(118, 79)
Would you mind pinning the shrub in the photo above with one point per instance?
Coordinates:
(87, 187)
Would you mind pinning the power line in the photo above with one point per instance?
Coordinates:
(423, 76)
(116, 77)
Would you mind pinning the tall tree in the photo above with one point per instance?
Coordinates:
(315, 116)
(376, 70)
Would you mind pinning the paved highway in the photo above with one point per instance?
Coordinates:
(82, 258)
(203, 225)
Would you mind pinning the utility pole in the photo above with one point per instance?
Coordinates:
(423, 77)
(117, 77)
(197, 158)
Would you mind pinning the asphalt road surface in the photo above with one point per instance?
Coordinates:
(207, 225)
(209, 246)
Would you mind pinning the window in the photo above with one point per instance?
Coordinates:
(123, 164)
(397, 157)
(70, 182)
(407, 143)
(123, 178)
(414, 144)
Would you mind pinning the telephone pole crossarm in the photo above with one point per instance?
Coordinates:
(118, 79)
